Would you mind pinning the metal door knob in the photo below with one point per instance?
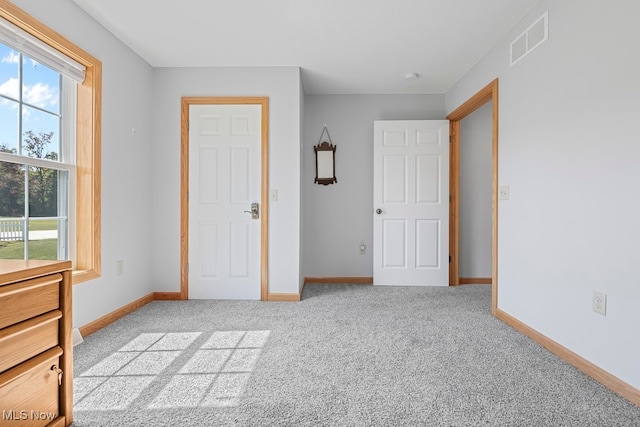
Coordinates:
(255, 211)
(378, 211)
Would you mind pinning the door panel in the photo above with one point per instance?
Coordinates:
(427, 243)
(428, 179)
(411, 202)
(395, 239)
(241, 171)
(208, 239)
(208, 177)
(395, 179)
(224, 180)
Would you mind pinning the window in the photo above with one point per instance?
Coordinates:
(36, 161)
(50, 177)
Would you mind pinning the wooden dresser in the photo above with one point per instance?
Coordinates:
(36, 348)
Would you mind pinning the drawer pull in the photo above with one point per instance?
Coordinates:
(59, 372)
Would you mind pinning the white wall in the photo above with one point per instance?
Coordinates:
(475, 193)
(282, 86)
(339, 217)
(126, 161)
(569, 151)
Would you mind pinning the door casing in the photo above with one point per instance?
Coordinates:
(486, 94)
(184, 186)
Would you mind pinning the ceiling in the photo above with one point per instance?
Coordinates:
(342, 46)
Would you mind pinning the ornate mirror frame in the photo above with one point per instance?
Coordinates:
(325, 163)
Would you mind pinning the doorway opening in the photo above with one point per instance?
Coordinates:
(487, 94)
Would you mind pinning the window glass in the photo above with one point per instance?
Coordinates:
(43, 239)
(40, 86)
(12, 221)
(33, 196)
(11, 190)
(9, 107)
(40, 134)
(9, 72)
(43, 192)
(9, 125)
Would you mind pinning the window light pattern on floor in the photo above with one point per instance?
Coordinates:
(213, 373)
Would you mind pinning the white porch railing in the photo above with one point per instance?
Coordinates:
(11, 229)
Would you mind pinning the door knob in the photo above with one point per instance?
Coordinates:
(378, 211)
(255, 211)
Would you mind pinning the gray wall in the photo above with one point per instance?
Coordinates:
(569, 151)
(338, 217)
(475, 193)
(282, 86)
(126, 161)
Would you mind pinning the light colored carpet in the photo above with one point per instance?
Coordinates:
(346, 355)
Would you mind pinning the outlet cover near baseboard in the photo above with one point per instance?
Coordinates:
(599, 302)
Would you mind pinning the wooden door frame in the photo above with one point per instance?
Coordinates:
(486, 94)
(186, 102)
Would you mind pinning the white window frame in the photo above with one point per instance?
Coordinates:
(65, 163)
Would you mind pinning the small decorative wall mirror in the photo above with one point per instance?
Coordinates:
(325, 160)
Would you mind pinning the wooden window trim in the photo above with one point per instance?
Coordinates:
(88, 139)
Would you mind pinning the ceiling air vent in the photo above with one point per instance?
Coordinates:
(532, 37)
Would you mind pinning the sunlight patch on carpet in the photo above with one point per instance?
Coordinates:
(214, 375)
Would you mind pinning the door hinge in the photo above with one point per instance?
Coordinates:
(450, 199)
(187, 267)
(188, 125)
(449, 258)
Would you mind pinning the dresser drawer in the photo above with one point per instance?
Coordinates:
(26, 339)
(30, 298)
(30, 392)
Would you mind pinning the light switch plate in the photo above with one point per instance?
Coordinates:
(503, 192)
(273, 195)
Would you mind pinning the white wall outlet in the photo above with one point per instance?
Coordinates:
(503, 192)
(600, 302)
(120, 267)
(363, 249)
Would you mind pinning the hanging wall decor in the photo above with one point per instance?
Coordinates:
(325, 160)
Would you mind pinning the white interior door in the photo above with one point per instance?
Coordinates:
(411, 203)
(224, 182)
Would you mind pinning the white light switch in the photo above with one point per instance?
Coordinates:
(273, 195)
(503, 193)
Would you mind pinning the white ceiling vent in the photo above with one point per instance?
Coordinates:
(532, 37)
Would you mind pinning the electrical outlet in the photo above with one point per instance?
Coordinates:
(120, 267)
(363, 249)
(600, 302)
